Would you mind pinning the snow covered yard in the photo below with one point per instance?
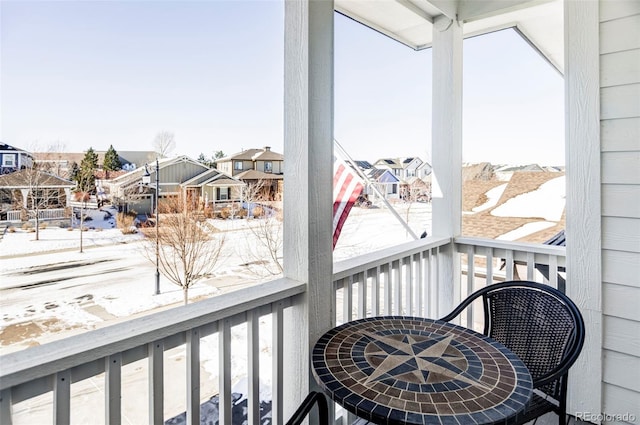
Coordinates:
(71, 302)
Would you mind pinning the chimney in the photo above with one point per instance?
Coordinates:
(267, 148)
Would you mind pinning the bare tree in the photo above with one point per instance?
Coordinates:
(40, 192)
(164, 143)
(265, 248)
(187, 250)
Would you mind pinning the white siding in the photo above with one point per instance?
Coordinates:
(620, 158)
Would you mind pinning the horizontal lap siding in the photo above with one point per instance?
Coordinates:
(620, 161)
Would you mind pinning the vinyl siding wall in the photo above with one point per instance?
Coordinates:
(620, 179)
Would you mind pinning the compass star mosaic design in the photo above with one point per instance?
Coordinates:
(417, 359)
(400, 370)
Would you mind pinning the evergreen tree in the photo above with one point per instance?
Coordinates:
(74, 171)
(204, 160)
(86, 178)
(216, 155)
(111, 160)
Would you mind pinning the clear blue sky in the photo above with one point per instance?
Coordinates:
(118, 72)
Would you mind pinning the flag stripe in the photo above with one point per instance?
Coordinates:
(346, 189)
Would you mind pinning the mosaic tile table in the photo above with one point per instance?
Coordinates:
(407, 370)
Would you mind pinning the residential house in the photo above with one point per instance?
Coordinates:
(14, 159)
(260, 168)
(424, 170)
(177, 176)
(382, 182)
(24, 192)
(596, 49)
(403, 168)
(213, 189)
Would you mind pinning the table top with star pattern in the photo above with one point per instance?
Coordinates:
(408, 370)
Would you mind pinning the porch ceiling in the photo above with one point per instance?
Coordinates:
(410, 22)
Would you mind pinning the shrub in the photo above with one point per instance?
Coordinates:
(43, 225)
(27, 225)
(258, 211)
(11, 230)
(225, 213)
(242, 213)
(125, 220)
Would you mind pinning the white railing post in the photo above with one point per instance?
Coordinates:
(193, 379)
(113, 388)
(156, 382)
(62, 398)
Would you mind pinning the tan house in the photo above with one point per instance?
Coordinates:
(179, 175)
(257, 167)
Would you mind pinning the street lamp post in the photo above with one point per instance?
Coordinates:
(146, 179)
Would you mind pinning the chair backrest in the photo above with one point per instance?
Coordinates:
(540, 324)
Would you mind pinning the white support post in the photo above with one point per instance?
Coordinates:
(308, 145)
(584, 205)
(447, 150)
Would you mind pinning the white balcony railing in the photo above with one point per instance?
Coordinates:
(398, 280)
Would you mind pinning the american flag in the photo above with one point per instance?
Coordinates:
(347, 186)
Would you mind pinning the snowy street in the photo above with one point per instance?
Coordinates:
(49, 290)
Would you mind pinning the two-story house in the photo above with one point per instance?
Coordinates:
(13, 159)
(402, 168)
(178, 176)
(258, 168)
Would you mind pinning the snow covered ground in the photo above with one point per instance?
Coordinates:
(49, 290)
(50, 280)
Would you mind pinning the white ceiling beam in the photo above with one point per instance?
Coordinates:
(471, 10)
(530, 40)
(374, 26)
(448, 8)
(415, 9)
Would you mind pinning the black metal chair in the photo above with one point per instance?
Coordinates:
(307, 404)
(543, 327)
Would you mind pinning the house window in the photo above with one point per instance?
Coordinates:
(268, 167)
(237, 165)
(9, 160)
(224, 193)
